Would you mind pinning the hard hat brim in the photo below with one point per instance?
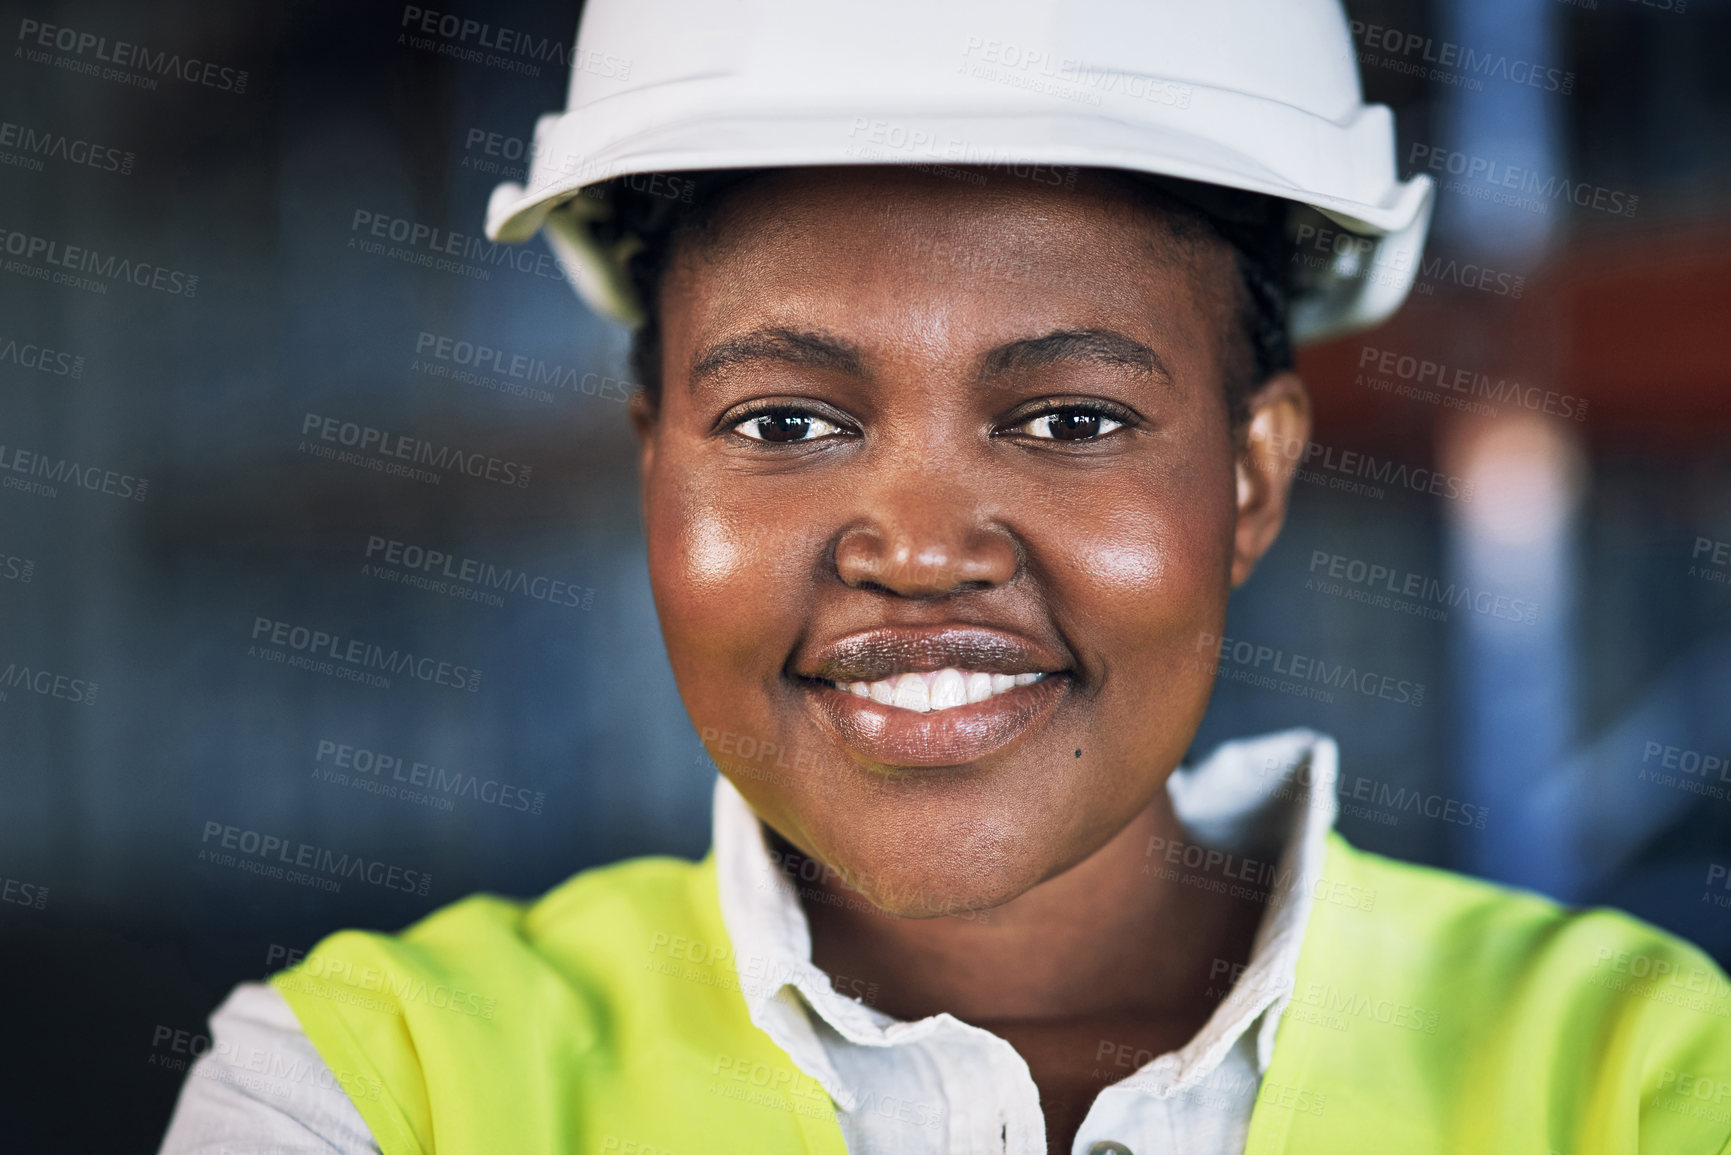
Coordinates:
(1321, 165)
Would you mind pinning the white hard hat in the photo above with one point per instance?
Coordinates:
(1256, 95)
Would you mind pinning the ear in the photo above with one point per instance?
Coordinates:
(643, 422)
(1269, 452)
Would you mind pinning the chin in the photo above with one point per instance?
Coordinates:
(922, 899)
(945, 869)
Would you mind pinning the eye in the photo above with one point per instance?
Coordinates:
(1069, 423)
(781, 426)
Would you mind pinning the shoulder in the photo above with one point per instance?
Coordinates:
(1471, 928)
(1469, 1005)
(631, 893)
(584, 911)
(477, 993)
(471, 954)
(499, 1025)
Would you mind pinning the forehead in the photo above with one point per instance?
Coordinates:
(901, 246)
(773, 206)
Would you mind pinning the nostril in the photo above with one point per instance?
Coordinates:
(917, 590)
(938, 563)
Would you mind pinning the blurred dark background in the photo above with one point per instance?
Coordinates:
(1585, 733)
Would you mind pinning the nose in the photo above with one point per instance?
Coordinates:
(925, 544)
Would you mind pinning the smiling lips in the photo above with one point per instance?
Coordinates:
(939, 689)
(931, 696)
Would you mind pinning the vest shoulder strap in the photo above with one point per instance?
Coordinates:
(604, 1017)
(1435, 1013)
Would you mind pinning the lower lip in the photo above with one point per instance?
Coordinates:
(895, 737)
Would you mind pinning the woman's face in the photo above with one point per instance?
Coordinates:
(943, 507)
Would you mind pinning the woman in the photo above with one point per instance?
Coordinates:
(947, 476)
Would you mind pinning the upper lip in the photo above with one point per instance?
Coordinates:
(871, 655)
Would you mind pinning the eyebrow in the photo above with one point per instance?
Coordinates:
(812, 350)
(818, 350)
(1098, 345)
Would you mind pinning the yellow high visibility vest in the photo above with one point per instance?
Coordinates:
(1433, 1014)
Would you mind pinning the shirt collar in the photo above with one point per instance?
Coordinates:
(1269, 801)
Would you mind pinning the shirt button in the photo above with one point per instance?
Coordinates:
(1107, 1147)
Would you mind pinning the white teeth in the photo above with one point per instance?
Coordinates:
(949, 688)
(938, 690)
(979, 687)
(912, 693)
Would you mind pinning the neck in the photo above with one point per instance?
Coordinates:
(1103, 938)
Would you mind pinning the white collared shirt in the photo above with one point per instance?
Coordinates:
(937, 1086)
(940, 1085)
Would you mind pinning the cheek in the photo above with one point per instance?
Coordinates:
(1155, 572)
(697, 549)
(728, 589)
(701, 560)
(1132, 562)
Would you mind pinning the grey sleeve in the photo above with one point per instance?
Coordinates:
(262, 1089)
